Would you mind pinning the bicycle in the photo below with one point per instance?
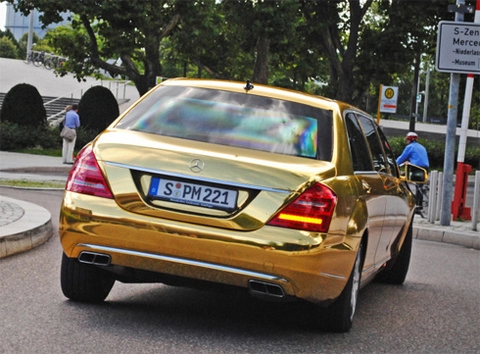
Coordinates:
(37, 58)
(53, 62)
(29, 57)
(422, 189)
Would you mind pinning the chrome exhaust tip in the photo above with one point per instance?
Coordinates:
(263, 288)
(94, 258)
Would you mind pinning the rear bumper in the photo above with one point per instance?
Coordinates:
(314, 267)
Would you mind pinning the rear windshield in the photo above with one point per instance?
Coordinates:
(234, 119)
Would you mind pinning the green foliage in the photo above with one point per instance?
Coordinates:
(42, 140)
(84, 136)
(7, 39)
(350, 47)
(97, 108)
(15, 136)
(22, 44)
(8, 48)
(24, 105)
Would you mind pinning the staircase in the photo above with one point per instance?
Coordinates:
(55, 107)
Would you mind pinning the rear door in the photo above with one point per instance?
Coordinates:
(371, 185)
(390, 189)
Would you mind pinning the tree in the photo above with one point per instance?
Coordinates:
(412, 27)
(264, 29)
(334, 31)
(8, 48)
(129, 30)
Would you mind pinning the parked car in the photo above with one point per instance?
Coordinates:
(281, 193)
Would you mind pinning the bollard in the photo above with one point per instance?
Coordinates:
(459, 210)
(476, 201)
(432, 197)
(438, 207)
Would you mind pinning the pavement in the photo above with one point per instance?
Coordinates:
(24, 226)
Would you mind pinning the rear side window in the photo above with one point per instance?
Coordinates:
(389, 153)
(380, 163)
(234, 119)
(361, 158)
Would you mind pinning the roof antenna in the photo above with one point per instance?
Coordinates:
(248, 86)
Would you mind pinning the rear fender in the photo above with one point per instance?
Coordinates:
(358, 220)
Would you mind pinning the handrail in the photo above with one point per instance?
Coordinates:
(102, 83)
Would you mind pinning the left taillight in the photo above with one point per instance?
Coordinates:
(311, 211)
(86, 177)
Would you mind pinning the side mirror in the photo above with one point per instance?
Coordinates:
(415, 174)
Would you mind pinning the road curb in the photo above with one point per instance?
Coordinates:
(466, 239)
(36, 229)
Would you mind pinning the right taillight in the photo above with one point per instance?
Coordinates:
(86, 177)
(311, 211)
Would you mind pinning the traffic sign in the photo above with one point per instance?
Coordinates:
(388, 99)
(458, 47)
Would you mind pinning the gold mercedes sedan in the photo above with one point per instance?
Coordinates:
(251, 187)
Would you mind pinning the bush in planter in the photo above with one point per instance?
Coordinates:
(97, 109)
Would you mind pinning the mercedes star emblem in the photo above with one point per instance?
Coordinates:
(197, 165)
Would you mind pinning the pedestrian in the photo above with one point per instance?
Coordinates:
(415, 154)
(69, 134)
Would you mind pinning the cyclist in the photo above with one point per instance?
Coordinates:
(416, 154)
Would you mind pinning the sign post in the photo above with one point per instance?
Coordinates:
(457, 44)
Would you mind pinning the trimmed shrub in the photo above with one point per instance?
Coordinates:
(97, 109)
(23, 105)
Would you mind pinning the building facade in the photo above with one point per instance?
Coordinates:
(19, 24)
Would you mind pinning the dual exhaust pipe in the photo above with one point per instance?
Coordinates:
(263, 288)
(93, 258)
(257, 287)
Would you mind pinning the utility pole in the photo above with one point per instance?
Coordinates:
(427, 89)
(30, 32)
(459, 210)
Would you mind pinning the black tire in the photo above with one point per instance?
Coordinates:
(338, 317)
(37, 61)
(49, 64)
(396, 270)
(84, 282)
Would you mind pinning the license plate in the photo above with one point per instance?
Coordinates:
(192, 194)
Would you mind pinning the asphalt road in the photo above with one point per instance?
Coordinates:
(437, 310)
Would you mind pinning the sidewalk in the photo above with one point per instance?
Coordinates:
(24, 226)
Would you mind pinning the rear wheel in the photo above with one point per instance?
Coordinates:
(84, 282)
(49, 64)
(338, 317)
(396, 272)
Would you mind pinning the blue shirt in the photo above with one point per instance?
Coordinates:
(416, 154)
(72, 120)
